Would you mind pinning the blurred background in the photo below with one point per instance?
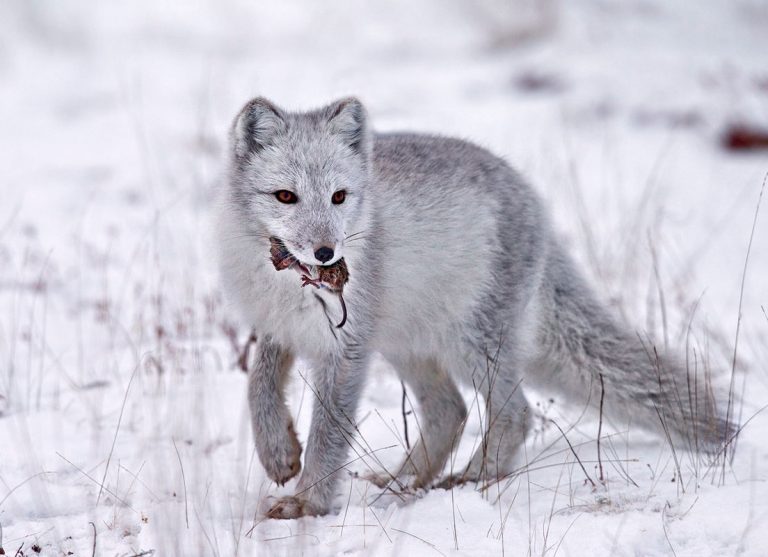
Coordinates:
(111, 109)
(643, 124)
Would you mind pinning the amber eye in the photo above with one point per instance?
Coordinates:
(339, 197)
(285, 196)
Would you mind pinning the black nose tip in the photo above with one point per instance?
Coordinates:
(324, 254)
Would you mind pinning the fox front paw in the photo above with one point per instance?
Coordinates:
(290, 507)
(379, 480)
(283, 462)
(453, 480)
(385, 480)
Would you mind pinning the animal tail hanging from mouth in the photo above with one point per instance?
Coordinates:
(322, 282)
(343, 311)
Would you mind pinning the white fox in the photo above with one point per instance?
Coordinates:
(455, 277)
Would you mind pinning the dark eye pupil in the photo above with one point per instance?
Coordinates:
(339, 196)
(285, 196)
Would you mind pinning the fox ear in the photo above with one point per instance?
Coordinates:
(348, 119)
(255, 127)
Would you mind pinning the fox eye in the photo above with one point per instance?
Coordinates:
(285, 196)
(339, 197)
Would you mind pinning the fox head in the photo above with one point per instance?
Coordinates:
(301, 177)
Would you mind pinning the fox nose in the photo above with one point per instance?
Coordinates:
(324, 254)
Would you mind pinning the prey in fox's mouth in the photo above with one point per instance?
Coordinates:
(330, 277)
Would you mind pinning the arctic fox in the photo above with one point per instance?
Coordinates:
(455, 277)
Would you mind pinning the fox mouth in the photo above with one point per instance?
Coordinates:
(332, 277)
(282, 258)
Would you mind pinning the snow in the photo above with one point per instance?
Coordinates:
(114, 367)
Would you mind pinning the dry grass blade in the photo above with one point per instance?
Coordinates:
(17, 486)
(729, 412)
(184, 483)
(94, 480)
(575, 454)
(664, 526)
(422, 540)
(359, 457)
(733, 437)
(349, 438)
(114, 439)
(600, 428)
(346, 509)
(405, 416)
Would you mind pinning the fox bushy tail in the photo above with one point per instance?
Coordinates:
(589, 352)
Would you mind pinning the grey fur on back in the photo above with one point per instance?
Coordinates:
(456, 277)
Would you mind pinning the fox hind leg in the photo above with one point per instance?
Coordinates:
(506, 426)
(506, 420)
(441, 414)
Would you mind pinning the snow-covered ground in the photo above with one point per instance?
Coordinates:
(122, 415)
